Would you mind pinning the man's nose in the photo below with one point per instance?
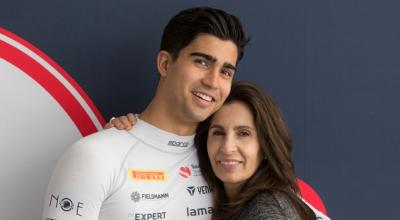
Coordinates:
(212, 78)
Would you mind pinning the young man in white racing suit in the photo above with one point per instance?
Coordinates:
(151, 172)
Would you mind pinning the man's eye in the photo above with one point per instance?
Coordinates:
(201, 62)
(227, 72)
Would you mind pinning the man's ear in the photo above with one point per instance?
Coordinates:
(164, 59)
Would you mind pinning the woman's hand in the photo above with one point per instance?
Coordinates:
(122, 122)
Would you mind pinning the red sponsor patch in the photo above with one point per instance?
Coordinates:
(185, 172)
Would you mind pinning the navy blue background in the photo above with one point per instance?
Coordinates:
(332, 66)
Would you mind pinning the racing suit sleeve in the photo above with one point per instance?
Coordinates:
(80, 183)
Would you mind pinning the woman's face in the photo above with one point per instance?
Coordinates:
(232, 145)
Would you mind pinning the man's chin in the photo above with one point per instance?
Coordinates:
(200, 114)
(199, 117)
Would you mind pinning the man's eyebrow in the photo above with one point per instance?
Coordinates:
(212, 59)
(205, 56)
(230, 66)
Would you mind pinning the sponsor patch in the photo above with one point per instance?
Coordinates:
(137, 197)
(198, 190)
(66, 204)
(195, 170)
(199, 211)
(148, 216)
(191, 190)
(185, 172)
(147, 175)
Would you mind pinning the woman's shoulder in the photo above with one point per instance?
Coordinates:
(269, 206)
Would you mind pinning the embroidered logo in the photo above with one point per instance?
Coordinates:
(178, 143)
(147, 175)
(191, 190)
(185, 172)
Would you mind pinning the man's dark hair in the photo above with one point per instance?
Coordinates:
(184, 27)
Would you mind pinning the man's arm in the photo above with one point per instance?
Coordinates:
(79, 183)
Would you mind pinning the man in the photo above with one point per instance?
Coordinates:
(151, 172)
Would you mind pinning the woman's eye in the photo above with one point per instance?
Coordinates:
(217, 133)
(244, 133)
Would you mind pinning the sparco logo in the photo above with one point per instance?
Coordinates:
(178, 143)
(136, 196)
(66, 204)
(200, 190)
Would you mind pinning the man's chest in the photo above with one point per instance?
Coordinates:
(160, 186)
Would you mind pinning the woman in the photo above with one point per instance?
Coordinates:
(248, 160)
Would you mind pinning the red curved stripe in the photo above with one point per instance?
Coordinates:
(54, 87)
(60, 70)
(311, 196)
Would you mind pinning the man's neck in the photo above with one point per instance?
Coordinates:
(161, 118)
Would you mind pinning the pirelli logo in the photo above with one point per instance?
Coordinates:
(147, 175)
